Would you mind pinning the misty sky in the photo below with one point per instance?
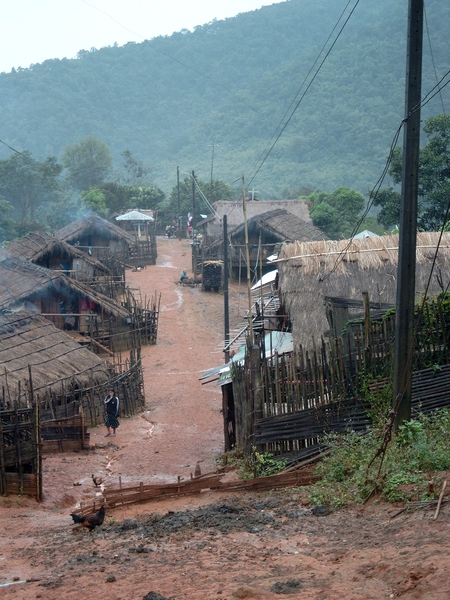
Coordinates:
(32, 31)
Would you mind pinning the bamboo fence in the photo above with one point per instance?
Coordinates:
(307, 393)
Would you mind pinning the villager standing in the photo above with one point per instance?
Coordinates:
(111, 412)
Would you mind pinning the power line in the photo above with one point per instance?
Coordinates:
(307, 88)
(432, 55)
(13, 149)
(175, 59)
(374, 192)
(305, 79)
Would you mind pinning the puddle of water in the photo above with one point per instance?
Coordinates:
(174, 305)
(166, 265)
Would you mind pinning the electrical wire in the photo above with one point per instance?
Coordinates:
(175, 59)
(305, 92)
(374, 192)
(305, 79)
(432, 54)
(13, 149)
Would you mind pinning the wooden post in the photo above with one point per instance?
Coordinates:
(367, 327)
(18, 448)
(247, 256)
(2, 461)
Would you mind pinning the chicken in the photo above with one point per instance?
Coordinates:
(97, 480)
(90, 521)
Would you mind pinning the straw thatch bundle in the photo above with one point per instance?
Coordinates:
(309, 271)
(28, 339)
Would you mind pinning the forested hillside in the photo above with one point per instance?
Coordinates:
(243, 75)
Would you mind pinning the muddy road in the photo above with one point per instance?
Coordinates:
(209, 546)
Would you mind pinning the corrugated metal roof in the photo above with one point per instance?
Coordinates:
(265, 280)
(274, 342)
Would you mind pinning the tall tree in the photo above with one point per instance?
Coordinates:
(7, 225)
(88, 163)
(337, 213)
(135, 171)
(434, 179)
(27, 183)
(213, 190)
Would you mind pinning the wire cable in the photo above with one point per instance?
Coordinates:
(175, 59)
(13, 149)
(304, 93)
(305, 79)
(432, 54)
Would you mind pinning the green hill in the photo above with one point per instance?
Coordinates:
(243, 74)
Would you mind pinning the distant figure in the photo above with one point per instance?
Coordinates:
(183, 276)
(111, 413)
(190, 218)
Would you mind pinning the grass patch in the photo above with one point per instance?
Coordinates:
(413, 458)
(257, 464)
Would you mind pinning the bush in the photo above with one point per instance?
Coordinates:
(258, 464)
(414, 457)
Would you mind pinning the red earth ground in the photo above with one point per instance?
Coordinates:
(241, 545)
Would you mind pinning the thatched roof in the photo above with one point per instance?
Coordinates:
(30, 339)
(92, 225)
(21, 280)
(309, 271)
(281, 226)
(235, 214)
(37, 246)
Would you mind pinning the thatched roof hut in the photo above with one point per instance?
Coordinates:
(265, 232)
(277, 226)
(309, 271)
(235, 214)
(48, 251)
(95, 235)
(28, 339)
(24, 282)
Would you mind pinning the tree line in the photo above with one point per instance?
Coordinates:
(219, 92)
(48, 194)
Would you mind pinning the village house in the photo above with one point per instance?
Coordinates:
(97, 237)
(309, 272)
(48, 251)
(31, 344)
(107, 241)
(69, 304)
(267, 232)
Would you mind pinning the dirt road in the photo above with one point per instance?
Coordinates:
(260, 546)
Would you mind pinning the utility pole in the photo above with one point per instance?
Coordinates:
(406, 274)
(226, 311)
(247, 258)
(194, 245)
(193, 204)
(179, 209)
